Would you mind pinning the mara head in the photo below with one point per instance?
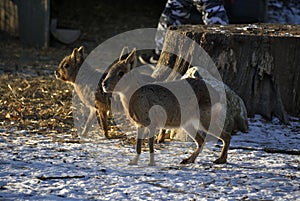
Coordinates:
(70, 65)
(118, 70)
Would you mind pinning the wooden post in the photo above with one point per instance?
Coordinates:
(260, 62)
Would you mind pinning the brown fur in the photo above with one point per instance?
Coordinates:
(98, 102)
(138, 108)
(236, 112)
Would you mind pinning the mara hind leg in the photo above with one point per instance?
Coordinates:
(199, 140)
(215, 130)
(225, 137)
(151, 146)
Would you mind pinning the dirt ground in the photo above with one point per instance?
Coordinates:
(31, 98)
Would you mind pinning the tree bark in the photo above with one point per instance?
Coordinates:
(260, 62)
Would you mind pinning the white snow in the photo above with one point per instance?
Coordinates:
(34, 167)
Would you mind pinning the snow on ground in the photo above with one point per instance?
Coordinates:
(33, 167)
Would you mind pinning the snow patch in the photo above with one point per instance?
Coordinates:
(41, 169)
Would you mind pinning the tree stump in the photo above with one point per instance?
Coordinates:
(260, 62)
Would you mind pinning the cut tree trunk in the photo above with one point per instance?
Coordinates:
(260, 62)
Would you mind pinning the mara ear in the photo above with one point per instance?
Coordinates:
(81, 51)
(75, 53)
(78, 54)
(131, 59)
(122, 52)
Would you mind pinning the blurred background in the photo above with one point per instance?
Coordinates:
(43, 23)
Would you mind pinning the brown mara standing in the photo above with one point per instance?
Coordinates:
(97, 101)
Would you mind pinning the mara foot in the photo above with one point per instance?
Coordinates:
(160, 139)
(132, 162)
(135, 160)
(187, 161)
(151, 164)
(220, 161)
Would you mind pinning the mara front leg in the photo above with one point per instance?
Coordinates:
(103, 122)
(138, 148)
(88, 123)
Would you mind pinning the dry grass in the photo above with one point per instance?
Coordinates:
(35, 103)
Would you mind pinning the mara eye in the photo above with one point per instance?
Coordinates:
(121, 73)
(66, 65)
